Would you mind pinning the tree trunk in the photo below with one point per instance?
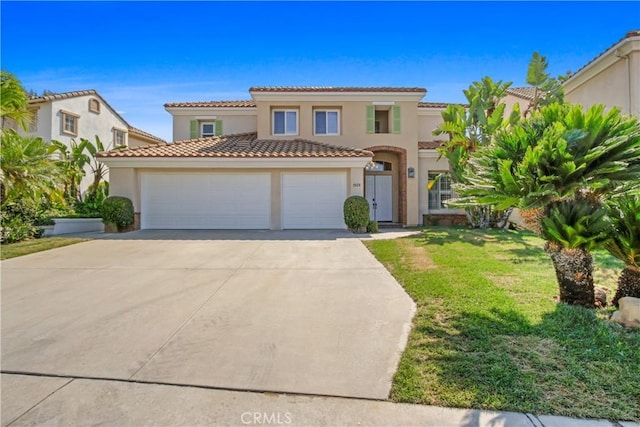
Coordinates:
(628, 284)
(574, 271)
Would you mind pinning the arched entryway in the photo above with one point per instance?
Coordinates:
(386, 184)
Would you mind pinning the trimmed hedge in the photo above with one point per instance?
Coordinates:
(356, 213)
(118, 210)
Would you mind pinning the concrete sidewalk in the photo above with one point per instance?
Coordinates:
(35, 400)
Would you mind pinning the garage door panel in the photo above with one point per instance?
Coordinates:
(313, 200)
(206, 201)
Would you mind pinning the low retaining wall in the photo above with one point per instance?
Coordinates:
(444, 219)
(77, 225)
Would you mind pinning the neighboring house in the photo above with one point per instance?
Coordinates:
(82, 114)
(288, 158)
(612, 78)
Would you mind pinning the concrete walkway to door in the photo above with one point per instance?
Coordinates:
(308, 312)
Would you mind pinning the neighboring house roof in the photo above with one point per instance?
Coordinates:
(212, 104)
(437, 104)
(429, 145)
(242, 145)
(146, 136)
(334, 89)
(630, 34)
(522, 92)
(74, 94)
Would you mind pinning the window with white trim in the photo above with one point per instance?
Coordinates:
(119, 138)
(440, 190)
(326, 122)
(285, 122)
(207, 129)
(69, 123)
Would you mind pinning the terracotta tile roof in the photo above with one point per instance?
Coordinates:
(522, 92)
(429, 145)
(64, 95)
(334, 89)
(74, 94)
(142, 134)
(243, 145)
(437, 104)
(630, 34)
(212, 104)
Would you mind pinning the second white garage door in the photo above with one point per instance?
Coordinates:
(313, 200)
(206, 201)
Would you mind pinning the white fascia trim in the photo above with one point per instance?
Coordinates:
(606, 60)
(428, 154)
(205, 117)
(339, 96)
(236, 163)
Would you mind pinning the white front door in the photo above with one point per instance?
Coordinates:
(379, 189)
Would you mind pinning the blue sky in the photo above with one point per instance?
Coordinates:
(139, 55)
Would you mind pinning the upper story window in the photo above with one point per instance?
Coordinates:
(440, 190)
(204, 128)
(285, 122)
(207, 129)
(69, 123)
(383, 119)
(94, 106)
(326, 122)
(119, 138)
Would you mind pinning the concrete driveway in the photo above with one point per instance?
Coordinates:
(292, 311)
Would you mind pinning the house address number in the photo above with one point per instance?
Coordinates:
(356, 184)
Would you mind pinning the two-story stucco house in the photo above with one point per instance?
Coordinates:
(83, 114)
(288, 158)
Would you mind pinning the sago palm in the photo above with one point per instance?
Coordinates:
(572, 228)
(624, 244)
(560, 153)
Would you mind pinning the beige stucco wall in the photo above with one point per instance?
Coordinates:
(612, 79)
(233, 121)
(134, 141)
(127, 182)
(428, 121)
(90, 124)
(510, 101)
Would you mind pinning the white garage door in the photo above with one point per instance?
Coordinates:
(313, 200)
(206, 201)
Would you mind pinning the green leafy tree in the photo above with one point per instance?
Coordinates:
(560, 154)
(71, 162)
(547, 90)
(27, 168)
(14, 100)
(624, 243)
(471, 128)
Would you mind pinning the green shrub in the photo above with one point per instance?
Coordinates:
(118, 210)
(356, 212)
(18, 219)
(372, 227)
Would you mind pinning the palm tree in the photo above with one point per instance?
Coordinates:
(560, 154)
(13, 100)
(27, 169)
(469, 129)
(624, 244)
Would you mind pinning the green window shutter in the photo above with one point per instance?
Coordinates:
(218, 127)
(193, 129)
(371, 119)
(396, 118)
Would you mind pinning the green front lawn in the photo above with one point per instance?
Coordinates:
(12, 250)
(489, 334)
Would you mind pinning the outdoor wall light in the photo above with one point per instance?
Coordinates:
(411, 173)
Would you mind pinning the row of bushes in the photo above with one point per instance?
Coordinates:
(22, 219)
